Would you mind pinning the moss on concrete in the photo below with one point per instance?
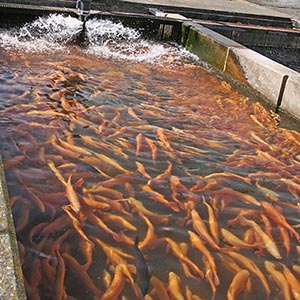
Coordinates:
(206, 48)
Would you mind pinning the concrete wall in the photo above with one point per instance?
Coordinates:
(11, 279)
(249, 67)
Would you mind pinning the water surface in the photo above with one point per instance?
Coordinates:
(148, 141)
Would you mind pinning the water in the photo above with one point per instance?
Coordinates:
(136, 131)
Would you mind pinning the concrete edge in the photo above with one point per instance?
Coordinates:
(11, 276)
(273, 81)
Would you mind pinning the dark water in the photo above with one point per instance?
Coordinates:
(148, 149)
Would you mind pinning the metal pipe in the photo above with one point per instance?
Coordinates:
(84, 8)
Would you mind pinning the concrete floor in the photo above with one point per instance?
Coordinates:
(289, 7)
(236, 6)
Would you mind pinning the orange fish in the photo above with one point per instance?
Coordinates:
(139, 141)
(163, 139)
(60, 278)
(76, 224)
(173, 246)
(142, 170)
(228, 195)
(200, 228)
(174, 287)
(72, 196)
(159, 288)
(117, 284)
(98, 222)
(233, 240)
(268, 242)
(212, 221)
(251, 266)
(279, 279)
(150, 239)
(238, 284)
(209, 276)
(56, 172)
(292, 281)
(82, 275)
(158, 197)
(199, 245)
(278, 218)
(152, 147)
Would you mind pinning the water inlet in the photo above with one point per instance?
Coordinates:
(84, 8)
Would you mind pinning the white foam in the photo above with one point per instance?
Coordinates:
(104, 39)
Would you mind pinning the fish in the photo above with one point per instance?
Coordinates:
(104, 191)
(164, 175)
(178, 188)
(238, 284)
(38, 201)
(252, 267)
(13, 162)
(116, 220)
(132, 113)
(76, 224)
(150, 238)
(268, 242)
(82, 275)
(174, 287)
(285, 239)
(162, 137)
(175, 248)
(72, 197)
(107, 278)
(56, 172)
(229, 263)
(200, 228)
(98, 222)
(159, 288)
(269, 194)
(278, 218)
(185, 267)
(60, 277)
(233, 240)
(114, 255)
(139, 141)
(156, 196)
(279, 279)
(142, 270)
(199, 245)
(92, 203)
(141, 169)
(209, 276)
(292, 281)
(212, 221)
(228, 195)
(87, 252)
(152, 147)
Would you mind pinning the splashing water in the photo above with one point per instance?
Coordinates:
(46, 34)
(105, 38)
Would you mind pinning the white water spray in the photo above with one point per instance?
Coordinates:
(104, 39)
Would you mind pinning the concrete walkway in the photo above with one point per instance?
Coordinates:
(233, 6)
(289, 7)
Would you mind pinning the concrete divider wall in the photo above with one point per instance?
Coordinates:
(11, 278)
(247, 66)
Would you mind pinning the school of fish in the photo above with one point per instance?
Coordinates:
(129, 181)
